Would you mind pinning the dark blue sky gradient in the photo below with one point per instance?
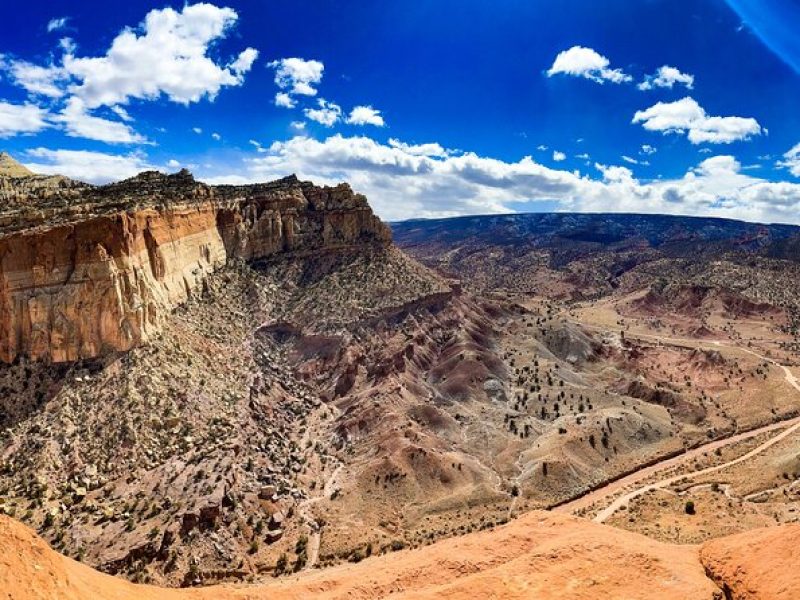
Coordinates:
(466, 74)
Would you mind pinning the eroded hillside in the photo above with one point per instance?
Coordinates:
(677, 335)
(209, 384)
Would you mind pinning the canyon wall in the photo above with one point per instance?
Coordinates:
(99, 272)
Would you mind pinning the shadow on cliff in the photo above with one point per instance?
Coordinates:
(27, 386)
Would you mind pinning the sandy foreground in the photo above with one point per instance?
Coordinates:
(540, 555)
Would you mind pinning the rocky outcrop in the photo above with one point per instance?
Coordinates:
(540, 555)
(11, 168)
(753, 565)
(85, 270)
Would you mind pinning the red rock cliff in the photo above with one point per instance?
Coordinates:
(85, 270)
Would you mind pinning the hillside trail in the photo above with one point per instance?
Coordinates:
(789, 427)
(303, 509)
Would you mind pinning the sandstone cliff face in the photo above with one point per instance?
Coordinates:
(86, 273)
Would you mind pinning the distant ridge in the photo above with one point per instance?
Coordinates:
(11, 168)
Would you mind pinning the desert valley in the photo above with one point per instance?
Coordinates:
(226, 384)
(346, 300)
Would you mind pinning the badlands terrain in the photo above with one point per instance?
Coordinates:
(224, 384)
(687, 327)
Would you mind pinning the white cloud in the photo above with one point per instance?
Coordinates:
(92, 167)
(792, 161)
(197, 130)
(541, 148)
(16, 119)
(68, 45)
(257, 145)
(687, 116)
(402, 185)
(584, 62)
(327, 114)
(297, 76)
(173, 164)
(78, 122)
(284, 100)
(365, 115)
(44, 81)
(166, 55)
(244, 62)
(666, 77)
(57, 24)
(121, 113)
(433, 149)
(630, 160)
(648, 149)
(584, 156)
(298, 125)
(217, 137)
(559, 156)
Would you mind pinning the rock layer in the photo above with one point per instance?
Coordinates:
(95, 270)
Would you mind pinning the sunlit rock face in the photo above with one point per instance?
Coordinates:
(85, 270)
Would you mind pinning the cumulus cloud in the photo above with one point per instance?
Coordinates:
(92, 167)
(403, 182)
(579, 61)
(686, 116)
(365, 115)
(648, 149)
(792, 161)
(21, 119)
(43, 81)
(57, 24)
(78, 122)
(559, 156)
(666, 77)
(295, 77)
(165, 56)
(433, 149)
(327, 114)
(284, 100)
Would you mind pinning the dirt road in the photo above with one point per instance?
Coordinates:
(316, 530)
(788, 428)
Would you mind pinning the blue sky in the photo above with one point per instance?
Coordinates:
(430, 108)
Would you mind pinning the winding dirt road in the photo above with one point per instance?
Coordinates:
(788, 428)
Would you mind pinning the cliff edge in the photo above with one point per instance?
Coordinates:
(85, 270)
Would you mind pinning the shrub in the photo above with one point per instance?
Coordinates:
(280, 566)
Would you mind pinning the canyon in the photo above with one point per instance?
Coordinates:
(103, 281)
(211, 385)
